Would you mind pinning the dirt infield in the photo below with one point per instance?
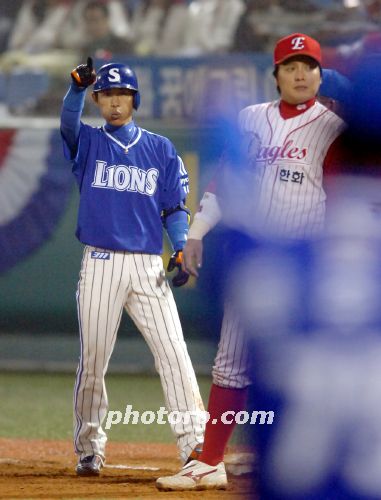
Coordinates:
(45, 469)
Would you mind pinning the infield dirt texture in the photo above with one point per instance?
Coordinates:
(37, 459)
(45, 470)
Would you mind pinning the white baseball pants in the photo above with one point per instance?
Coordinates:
(110, 282)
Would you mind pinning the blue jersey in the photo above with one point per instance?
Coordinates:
(126, 177)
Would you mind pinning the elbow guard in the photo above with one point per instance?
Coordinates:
(169, 211)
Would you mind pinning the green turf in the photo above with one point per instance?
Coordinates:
(40, 405)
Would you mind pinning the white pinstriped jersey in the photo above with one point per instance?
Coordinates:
(282, 191)
(277, 191)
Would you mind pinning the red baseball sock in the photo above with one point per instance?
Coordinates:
(217, 435)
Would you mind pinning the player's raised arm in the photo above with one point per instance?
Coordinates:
(336, 86)
(82, 77)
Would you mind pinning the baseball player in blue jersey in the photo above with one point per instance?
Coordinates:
(132, 183)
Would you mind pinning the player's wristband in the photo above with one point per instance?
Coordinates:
(198, 229)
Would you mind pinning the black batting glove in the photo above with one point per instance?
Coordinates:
(84, 75)
(175, 262)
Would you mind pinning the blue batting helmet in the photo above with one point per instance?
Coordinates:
(120, 76)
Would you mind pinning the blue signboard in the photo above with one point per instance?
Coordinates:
(199, 88)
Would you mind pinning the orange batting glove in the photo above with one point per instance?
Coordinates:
(84, 75)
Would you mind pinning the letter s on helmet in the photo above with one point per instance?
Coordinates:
(120, 76)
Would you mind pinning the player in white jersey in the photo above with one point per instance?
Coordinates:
(278, 193)
(132, 183)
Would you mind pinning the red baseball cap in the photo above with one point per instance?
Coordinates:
(297, 44)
